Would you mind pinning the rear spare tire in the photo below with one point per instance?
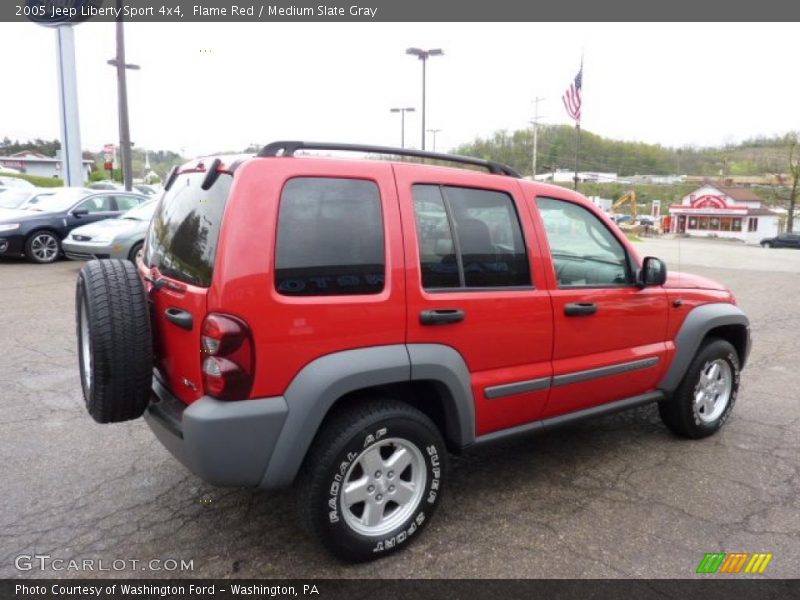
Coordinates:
(115, 352)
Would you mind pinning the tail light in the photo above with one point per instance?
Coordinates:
(228, 358)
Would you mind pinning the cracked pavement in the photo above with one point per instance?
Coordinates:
(615, 497)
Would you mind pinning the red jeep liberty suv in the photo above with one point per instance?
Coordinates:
(343, 324)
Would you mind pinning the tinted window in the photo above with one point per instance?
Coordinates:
(97, 204)
(584, 251)
(437, 254)
(127, 202)
(182, 240)
(330, 238)
(469, 238)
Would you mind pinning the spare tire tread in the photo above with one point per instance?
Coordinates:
(119, 329)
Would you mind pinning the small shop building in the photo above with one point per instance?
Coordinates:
(724, 212)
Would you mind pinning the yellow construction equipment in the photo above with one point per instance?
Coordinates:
(627, 197)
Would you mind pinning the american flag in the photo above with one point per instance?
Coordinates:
(572, 97)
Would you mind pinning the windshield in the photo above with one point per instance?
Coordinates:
(54, 201)
(143, 212)
(13, 198)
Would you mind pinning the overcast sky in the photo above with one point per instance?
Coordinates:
(212, 87)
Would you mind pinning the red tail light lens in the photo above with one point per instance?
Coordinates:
(227, 355)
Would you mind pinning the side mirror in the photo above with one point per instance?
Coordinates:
(80, 212)
(653, 272)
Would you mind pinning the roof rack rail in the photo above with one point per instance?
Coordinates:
(288, 148)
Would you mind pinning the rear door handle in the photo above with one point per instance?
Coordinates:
(442, 316)
(179, 317)
(578, 309)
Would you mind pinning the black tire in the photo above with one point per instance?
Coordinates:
(42, 247)
(134, 251)
(680, 413)
(766, 245)
(336, 457)
(112, 316)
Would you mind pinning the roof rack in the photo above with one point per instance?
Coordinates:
(289, 148)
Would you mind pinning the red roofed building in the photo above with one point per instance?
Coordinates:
(725, 212)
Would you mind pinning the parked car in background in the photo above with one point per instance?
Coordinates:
(147, 189)
(111, 238)
(105, 185)
(15, 182)
(784, 240)
(15, 197)
(35, 230)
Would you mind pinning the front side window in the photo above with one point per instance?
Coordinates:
(97, 204)
(585, 253)
(330, 238)
(469, 238)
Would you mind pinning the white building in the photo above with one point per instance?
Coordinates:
(725, 212)
(33, 163)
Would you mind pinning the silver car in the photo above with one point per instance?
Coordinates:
(111, 238)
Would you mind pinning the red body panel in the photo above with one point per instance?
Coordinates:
(289, 332)
(507, 335)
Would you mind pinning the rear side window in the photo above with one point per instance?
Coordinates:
(330, 238)
(182, 240)
(469, 238)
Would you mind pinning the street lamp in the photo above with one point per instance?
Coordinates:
(402, 112)
(434, 132)
(423, 55)
(122, 95)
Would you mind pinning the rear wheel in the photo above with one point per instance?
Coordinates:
(136, 253)
(706, 396)
(372, 479)
(42, 247)
(114, 342)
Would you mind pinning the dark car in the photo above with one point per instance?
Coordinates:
(36, 228)
(784, 240)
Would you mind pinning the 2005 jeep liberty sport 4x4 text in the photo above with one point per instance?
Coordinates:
(342, 324)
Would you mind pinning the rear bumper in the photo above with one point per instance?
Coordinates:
(224, 443)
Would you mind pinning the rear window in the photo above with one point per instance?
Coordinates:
(182, 240)
(330, 238)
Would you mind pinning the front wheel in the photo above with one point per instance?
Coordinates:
(42, 247)
(372, 479)
(766, 245)
(705, 398)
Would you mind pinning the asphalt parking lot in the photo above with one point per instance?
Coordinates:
(617, 497)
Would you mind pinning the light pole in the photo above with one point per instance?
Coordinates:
(122, 95)
(402, 112)
(423, 55)
(434, 132)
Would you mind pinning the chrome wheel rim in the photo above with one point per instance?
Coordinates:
(86, 350)
(383, 487)
(44, 247)
(713, 391)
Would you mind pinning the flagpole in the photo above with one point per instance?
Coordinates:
(577, 150)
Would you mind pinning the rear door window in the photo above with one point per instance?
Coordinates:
(330, 238)
(182, 240)
(469, 238)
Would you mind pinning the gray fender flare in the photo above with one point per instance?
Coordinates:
(316, 388)
(696, 326)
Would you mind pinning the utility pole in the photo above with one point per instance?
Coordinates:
(434, 132)
(535, 124)
(122, 95)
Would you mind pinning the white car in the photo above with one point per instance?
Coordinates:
(15, 182)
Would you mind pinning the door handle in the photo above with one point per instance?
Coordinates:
(442, 316)
(181, 318)
(579, 309)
